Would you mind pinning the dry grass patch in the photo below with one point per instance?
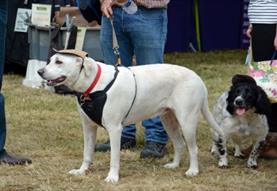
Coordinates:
(46, 127)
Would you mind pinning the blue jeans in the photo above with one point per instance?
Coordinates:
(2, 125)
(3, 20)
(142, 34)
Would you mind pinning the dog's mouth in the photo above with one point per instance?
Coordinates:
(240, 111)
(56, 81)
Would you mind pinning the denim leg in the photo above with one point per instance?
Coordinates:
(106, 42)
(148, 30)
(154, 130)
(110, 58)
(3, 20)
(125, 46)
(2, 124)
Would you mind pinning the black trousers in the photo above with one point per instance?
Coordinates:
(272, 119)
(263, 48)
(263, 41)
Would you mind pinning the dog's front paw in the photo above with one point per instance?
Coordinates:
(252, 164)
(77, 172)
(192, 172)
(223, 163)
(112, 178)
(214, 151)
(171, 165)
(239, 155)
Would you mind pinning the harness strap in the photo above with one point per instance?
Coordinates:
(134, 98)
(84, 95)
(111, 82)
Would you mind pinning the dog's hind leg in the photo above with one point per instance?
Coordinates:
(258, 146)
(89, 131)
(173, 130)
(222, 152)
(115, 136)
(188, 121)
(219, 149)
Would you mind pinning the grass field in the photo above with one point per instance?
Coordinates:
(46, 127)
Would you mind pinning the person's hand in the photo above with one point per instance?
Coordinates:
(58, 18)
(249, 30)
(106, 8)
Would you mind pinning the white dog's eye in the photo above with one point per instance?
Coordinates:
(58, 62)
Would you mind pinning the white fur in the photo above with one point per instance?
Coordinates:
(175, 93)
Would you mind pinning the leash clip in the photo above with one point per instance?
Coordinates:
(116, 52)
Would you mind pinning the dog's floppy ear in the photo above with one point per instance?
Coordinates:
(79, 61)
(263, 105)
(230, 100)
(239, 78)
(86, 66)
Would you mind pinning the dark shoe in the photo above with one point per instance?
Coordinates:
(14, 160)
(126, 143)
(153, 150)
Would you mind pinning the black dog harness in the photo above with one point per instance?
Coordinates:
(93, 103)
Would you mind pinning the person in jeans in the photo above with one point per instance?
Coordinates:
(4, 156)
(263, 33)
(143, 35)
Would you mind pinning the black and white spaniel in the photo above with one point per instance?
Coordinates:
(241, 113)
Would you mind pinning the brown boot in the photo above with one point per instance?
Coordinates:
(270, 149)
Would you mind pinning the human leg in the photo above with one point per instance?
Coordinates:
(2, 125)
(270, 148)
(3, 17)
(126, 53)
(154, 131)
(128, 138)
(4, 156)
(147, 30)
(262, 41)
(263, 48)
(155, 138)
(106, 40)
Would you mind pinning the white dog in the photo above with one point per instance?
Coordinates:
(114, 97)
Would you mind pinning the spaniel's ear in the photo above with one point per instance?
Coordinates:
(230, 100)
(239, 78)
(263, 105)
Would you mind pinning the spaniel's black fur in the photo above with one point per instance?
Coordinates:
(245, 93)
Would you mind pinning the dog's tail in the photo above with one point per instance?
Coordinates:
(210, 118)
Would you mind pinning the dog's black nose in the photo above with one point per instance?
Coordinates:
(239, 102)
(40, 71)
